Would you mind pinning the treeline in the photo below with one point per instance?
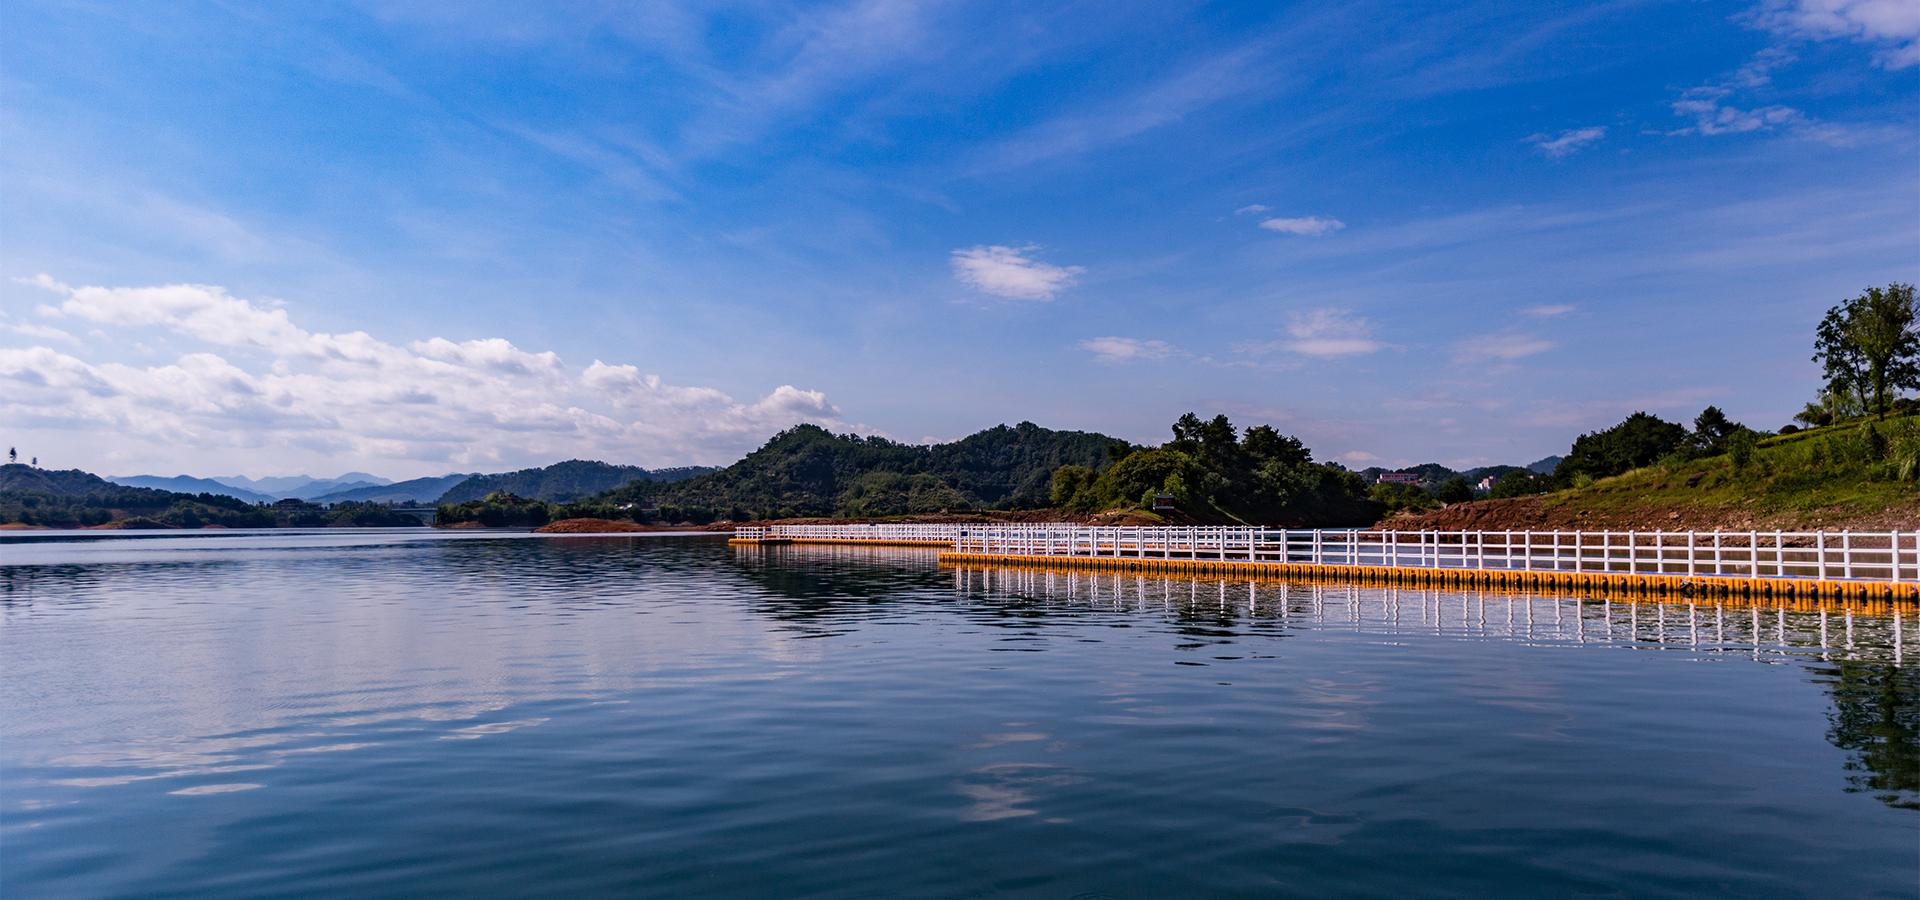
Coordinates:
(505, 510)
(1639, 441)
(134, 505)
(1209, 471)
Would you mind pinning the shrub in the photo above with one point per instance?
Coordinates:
(1742, 449)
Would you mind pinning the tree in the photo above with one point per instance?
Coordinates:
(1869, 345)
(1635, 442)
(1712, 430)
(1455, 490)
(1521, 483)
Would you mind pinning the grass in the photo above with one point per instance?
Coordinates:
(1822, 477)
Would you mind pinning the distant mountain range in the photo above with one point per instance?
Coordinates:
(265, 490)
(189, 485)
(423, 490)
(560, 481)
(1432, 475)
(302, 486)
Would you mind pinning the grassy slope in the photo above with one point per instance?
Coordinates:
(1822, 478)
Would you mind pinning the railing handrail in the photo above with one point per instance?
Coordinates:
(1823, 555)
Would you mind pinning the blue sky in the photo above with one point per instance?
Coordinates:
(413, 238)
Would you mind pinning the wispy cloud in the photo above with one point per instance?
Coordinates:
(355, 396)
(1505, 345)
(1238, 74)
(1006, 272)
(1893, 24)
(1550, 310)
(1121, 350)
(1311, 226)
(1252, 208)
(1330, 333)
(39, 331)
(1712, 114)
(1568, 142)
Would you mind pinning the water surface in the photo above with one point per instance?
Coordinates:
(396, 714)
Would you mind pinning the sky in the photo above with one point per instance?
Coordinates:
(415, 238)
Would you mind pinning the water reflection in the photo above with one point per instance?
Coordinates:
(1876, 719)
(638, 716)
(1860, 658)
(1762, 632)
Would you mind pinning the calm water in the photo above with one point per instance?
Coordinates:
(483, 715)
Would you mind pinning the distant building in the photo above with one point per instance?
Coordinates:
(1400, 477)
(1163, 501)
(1486, 484)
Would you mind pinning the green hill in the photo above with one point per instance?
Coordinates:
(1858, 474)
(562, 481)
(72, 499)
(808, 471)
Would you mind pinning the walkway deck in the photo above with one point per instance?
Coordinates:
(1849, 565)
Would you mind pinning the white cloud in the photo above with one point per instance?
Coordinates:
(1330, 333)
(1119, 349)
(1712, 115)
(1255, 208)
(1570, 141)
(1549, 311)
(41, 331)
(354, 396)
(1311, 226)
(1004, 272)
(1505, 345)
(1895, 23)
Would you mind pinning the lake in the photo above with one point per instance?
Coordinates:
(403, 714)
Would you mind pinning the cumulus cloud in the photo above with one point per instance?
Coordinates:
(1006, 272)
(1311, 226)
(1567, 142)
(352, 395)
(1120, 350)
(1893, 24)
(1330, 333)
(1505, 345)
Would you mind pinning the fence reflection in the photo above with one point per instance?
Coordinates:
(1760, 628)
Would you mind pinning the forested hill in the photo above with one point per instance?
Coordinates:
(808, 471)
(68, 483)
(568, 480)
(72, 498)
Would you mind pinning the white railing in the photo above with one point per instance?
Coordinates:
(879, 533)
(1821, 555)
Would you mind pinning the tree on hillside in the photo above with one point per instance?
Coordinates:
(1869, 345)
(1712, 430)
(1215, 474)
(1635, 442)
